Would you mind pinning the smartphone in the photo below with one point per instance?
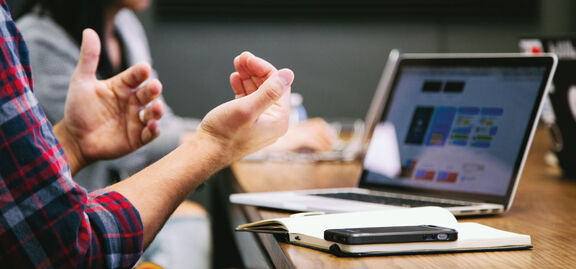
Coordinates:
(391, 234)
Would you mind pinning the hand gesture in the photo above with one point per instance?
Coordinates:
(106, 119)
(315, 134)
(258, 115)
(251, 73)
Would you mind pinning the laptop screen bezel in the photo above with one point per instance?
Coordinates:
(504, 60)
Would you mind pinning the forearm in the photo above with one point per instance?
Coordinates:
(157, 190)
(227, 133)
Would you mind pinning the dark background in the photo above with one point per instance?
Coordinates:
(336, 48)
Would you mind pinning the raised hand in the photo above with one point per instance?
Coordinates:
(106, 119)
(251, 72)
(314, 135)
(259, 114)
(234, 129)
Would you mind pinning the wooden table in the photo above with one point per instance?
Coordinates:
(545, 208)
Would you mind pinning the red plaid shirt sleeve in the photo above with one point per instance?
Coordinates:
(46, 220)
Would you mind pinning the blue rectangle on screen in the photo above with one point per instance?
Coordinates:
(440, 125)
(459, 142)
(468, 110)
(493, 130)
(442, 175)
(481, 144)
(462, 130)
(492, 111)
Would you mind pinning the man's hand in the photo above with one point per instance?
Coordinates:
(256, 118)
(313, 135)
(258, 115)
(105, 119)
(251, 73)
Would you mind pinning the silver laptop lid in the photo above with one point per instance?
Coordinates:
(461, 124)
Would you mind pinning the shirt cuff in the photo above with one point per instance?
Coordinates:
(118, 227)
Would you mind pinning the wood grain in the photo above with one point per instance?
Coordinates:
(544, 207)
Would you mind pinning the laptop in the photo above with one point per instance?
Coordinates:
(448, 130)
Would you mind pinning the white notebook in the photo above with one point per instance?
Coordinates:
(308, 231)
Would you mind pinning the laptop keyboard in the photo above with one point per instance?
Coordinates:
(385, 200)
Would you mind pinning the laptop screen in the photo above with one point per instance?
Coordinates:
(456, 126)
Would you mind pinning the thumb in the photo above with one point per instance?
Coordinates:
(275, 89)
(89, 54)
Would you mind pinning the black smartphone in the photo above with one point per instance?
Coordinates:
(391, 234)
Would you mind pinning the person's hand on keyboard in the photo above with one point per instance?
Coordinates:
(313, 135)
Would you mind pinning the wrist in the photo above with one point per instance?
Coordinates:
(219, 152)
(71, 147)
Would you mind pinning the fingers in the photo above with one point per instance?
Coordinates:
(275, 89)
(89, 54)
(152, 112)
(150, 132)
(131, 78)
(249, 65)
(312, 135)
(326, 134)
(149, 117)
(314, 144)
(149, 92)
(324, 142)
(251, 73)
(309, 143)
(237, 86)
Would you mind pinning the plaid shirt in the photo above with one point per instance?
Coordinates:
(47, 220)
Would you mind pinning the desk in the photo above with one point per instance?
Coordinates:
(544, 207)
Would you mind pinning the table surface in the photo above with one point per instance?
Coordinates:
(544, 207)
